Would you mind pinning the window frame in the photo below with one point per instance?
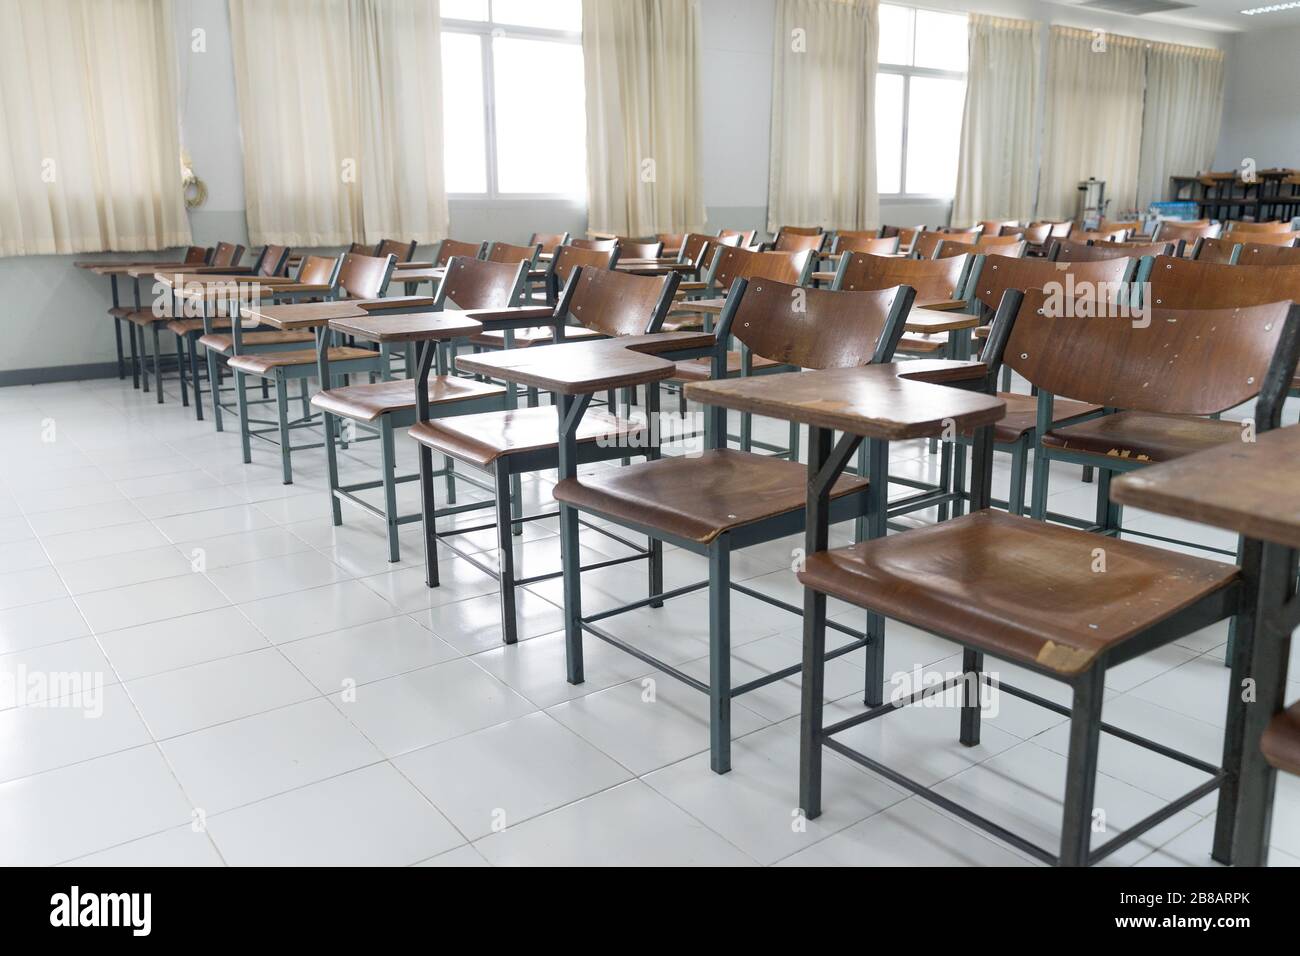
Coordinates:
(907, 72)
(486, 31)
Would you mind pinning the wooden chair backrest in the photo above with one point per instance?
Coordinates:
(1067, 250)
(196, 255)
(1014, 249)
(736, 240)
(731, 264)
(1171, 229)
(1223, 355)
(787, 240)
(1244, 226)
(454, 247)
(926, 242)
(1266, 238)
(399, 250)
(801, 230)
(595, 245)
(745, 236)
(1000, 274)
(875, 245)
(1038, 233)
(364, 277)
(272, 260)
(831, 330)
(1100, 235)
(935, 280)
(695, 247)
(617, 303)
(505, 252)
(473, 283)
(227, 254)
(567, 258)
(634, 249)
(1214, 250)
(1128, 227)
(1189, 284)
(1261, 254)
(994, 227)
(549, 241)
(317, 270)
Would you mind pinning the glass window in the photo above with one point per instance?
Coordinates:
(547, 14)
(934, 110)
(895, 35)
(463, 126)
(889, 133)
(527, 162)
(941, 41)
(464, 9)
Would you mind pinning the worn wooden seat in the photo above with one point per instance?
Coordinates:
(366, 402)
(697, 498)
(481, 439)
(1281, 740)
(189, 326)
(1022, 415)
(1144, 436)
(225, 344)
(1021, 589)
(265, 363)
(701, 369)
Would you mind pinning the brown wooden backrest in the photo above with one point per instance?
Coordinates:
(597, 245)
(926, 242)
(1128, 227)
(672, 241)
(361, 249)
(695, 246)
(935, 280)
(227, 254)
(635, 249)
(614, 302)
(789, 241)
(1014, 249)
(273, 260)
(569, 257)
(746, 236)
(1266, 238)
(1100, 235)
(875, 245)
(826, 330)
(1214, 250)
(735, 240)
(801, 230)
(364, 277)
(731, 264)
(195, 255)
(316, 270)
(454, 247)
(1060, 230)
(986, 241)
(1245, 226)
(1186, 362)
(399, 250)
(548, 240)
(1188, 284)
(1169, 230)
(994, 227)
(1038, 233)
(473, 283)
(1000, 274)
(505, 252)
(1261, 254)
(1068, 250)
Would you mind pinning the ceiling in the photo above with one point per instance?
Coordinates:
(1218, 15)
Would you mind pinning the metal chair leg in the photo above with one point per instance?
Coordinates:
(214, 388)
(720, 656)
(282, 410)
(516, 505)
(1081, 769)
(1042, 474)
(330, 424)
(428, 507)
(505, 554)
(135, 356)
(181, 368)
(388, 469)
(972, 665)
(121, 358)
(1019, 465)
(242, 398)
(157, 364)
(193, 350)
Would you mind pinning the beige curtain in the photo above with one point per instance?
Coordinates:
(641, 59)
(90, 159)
(1180, 126)
(998, 169)
(823, 154)
(1095, 86)
(340, 106)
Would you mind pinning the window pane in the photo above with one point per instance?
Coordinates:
(464, 9)
(934, 110)
(941, 40)
(549, 14)
(464, 151)
(889, 132)
(896, 35)
(540, 148)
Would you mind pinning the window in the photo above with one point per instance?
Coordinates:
(920, 95)
(505, 66)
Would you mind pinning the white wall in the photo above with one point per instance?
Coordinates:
(54, 315)
(1260, 119)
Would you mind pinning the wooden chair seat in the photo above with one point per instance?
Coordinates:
(145, 318)
(370, 400)
(541, 335)
(1144, 436)
(264, 363)
(483, 438)
(187, 326)
(1281, 740)
(683, 322)
(225, 344)
(926, 344)
(1022, 415)
(121, 311)
(1018, 588)
(698, 498)
(701, 369)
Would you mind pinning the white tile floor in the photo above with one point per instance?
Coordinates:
(213, 674)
